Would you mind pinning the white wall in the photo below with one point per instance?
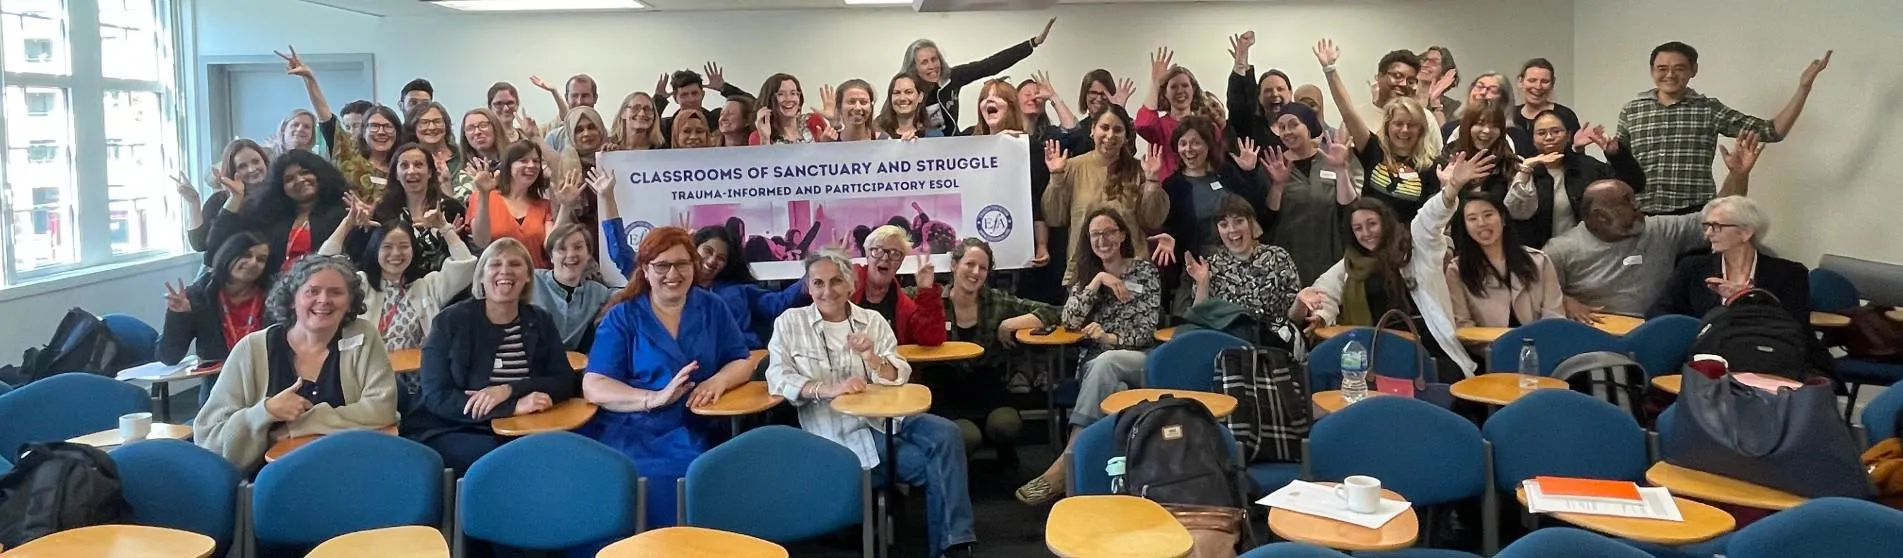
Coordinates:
(32, 312)
(1831, 186)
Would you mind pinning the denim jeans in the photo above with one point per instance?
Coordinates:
(1108, 373)
(932, 453)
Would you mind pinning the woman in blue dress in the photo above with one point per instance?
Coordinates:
(662, 347)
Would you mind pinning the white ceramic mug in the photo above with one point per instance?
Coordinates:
(134, 427)
(1361, 493)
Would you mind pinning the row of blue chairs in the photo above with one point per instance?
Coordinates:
(1831, 292)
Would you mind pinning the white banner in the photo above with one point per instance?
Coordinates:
(785, 201)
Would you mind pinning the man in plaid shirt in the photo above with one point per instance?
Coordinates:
(1673, 130)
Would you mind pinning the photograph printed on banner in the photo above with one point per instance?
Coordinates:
(787, 231)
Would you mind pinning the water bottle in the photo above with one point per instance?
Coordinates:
(1354, 371)
(1529, 366)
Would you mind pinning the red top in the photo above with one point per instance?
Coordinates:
(240, 319)
(1158, 128)
(298, 245)
(918, 323)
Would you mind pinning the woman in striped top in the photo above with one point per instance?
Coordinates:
(492, 356)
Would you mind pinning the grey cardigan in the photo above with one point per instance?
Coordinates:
(235, 425)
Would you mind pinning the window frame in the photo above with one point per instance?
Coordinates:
(85, 86)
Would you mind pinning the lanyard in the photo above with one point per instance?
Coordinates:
(390, 309)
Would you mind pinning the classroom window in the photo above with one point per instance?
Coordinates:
(89, 117)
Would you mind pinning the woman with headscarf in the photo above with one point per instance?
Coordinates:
(587, 136)
(1311, 180)
(939, 86)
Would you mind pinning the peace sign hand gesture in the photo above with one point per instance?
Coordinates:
(927, 275)
(294, 65)
(175, 299)
(186, 191)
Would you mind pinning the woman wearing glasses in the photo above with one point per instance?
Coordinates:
(1398, 157)
(662, 346)
(919, 318)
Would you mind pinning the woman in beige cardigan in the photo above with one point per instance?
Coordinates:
(319, 370)
(1109, 176)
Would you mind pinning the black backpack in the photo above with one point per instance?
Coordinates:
(81, 343)
(58, 486)
(1272, 413)
(1172, 452)
(1754, 333)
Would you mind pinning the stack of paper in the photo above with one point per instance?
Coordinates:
(1599, 497)
(152, 370)
(1318, 500)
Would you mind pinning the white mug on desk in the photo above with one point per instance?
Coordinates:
(1361, 493)
(134, 427)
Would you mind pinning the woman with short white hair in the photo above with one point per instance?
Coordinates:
(918, 318)
(1735, 226)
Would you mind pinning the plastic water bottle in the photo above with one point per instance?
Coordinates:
(1354, 371)
(1529, 366)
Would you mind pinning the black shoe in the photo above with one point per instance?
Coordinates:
(962, 550)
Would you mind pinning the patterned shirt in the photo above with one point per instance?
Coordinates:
(994, 307)
(1134, 322)
(1265, 283)
(806, 349)
(1675, 145)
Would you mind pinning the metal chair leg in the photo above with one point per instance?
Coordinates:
(1850, 407)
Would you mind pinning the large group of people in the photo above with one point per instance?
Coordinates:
(354, 233)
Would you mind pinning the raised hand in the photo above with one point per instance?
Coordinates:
(357, 212)
(175, 299)
(232, 186)
(1586, 135)
(540, 84)
(1445, 82)
(1277, 162)
(927, 274)
(716, 79)
(294, 65)
(568, 192)
(1197, 268)
(478, 168)
(1125, 87)
(186, 190)
(1326, 52)
(1334, 151)
(1055, 156)
(1045, 34)
(435, 218)
(828, 103)
(763, 124)
(1160, 63)
(1153, 163)
(1239, 48)
(1463, 169)
(1246, 155)
(1044, 90)
(1164, 255)
(523, 122)
(660, 87)
(1746, 156)
(1816, 67)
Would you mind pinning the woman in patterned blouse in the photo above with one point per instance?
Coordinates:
(1258, 277)
(1114, 301)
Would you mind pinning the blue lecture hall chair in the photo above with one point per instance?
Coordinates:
(1556, 432)
(821, 491)
(1662, 345)
(548, 491)
(1830, 292)
(1567, 542)
(138, 339)
(1188, 361)
(64, 406)
(1427, 454)
(1292, 550)
(343, 483)
(1092, 451)
(1879, 416)
(1556, 339)
(1398, 358)
(177, 485)
(1835, 527)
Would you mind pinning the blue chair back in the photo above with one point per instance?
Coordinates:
(510, 497)
(64, 406)
(138, 339)
(1556, 339)
(5, 387)
(1399, 358)
(1092, 448)
(1567, 542)
(1188, 360)
(1427, 454)
(1831, 292)
(1559, 432)
(1292, 550)
(814, 489)
(1880, 415)
(347, 482)
(1822, 527)
(1662, 345)
(177, 485)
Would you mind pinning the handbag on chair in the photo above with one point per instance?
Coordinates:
(1791, 440)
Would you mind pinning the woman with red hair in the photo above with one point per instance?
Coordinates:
(662, 346)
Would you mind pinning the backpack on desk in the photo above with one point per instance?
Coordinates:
(1754, 333)
(58, 486)
(1172, 451)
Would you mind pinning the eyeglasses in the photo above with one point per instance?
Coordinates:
(1714, 226)
(664, 268)
(1106, 233)
(381, 127)
(430, 123)
(883, 253)
(641, 109)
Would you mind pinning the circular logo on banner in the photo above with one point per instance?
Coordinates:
(637, 231)
(994, 223)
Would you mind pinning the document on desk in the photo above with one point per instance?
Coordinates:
(1319, 500)
(1654, 503)
(152, 370)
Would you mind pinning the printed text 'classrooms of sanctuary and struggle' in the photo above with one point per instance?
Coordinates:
(890, 178)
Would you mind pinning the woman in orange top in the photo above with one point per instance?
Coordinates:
(520, 208)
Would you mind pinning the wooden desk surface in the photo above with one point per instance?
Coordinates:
(1616, 324)
(1896, 314)
(186, 374)
(885, 401)
(1398, 533)
(749, 398)
(577, 361)
(1499, 388)
(160, 431)
(1330, 401)
(1219, 404)
(115, 541)
(1331, 331)
(1165, 335)
(1114, 526)
(950, 351)
(285, 446)
(410, 541)
(1718, 488)
(405, 361)
(691, 542)
(564, 416)
(1669, 383)
(1702, 523)
(1480, 335)
(1059, 336)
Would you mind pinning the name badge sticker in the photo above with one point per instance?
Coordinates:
(1635, 259)
(351, 342)
(1215, 185)
(1410, 176)
(1325, 174)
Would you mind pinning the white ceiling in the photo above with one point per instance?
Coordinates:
(417, 7)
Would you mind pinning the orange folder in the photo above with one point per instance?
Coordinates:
(1588, 488)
